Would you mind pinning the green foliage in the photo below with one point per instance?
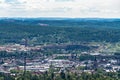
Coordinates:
(63, 76)
(61, 57)
(13, 31)
(86, 57)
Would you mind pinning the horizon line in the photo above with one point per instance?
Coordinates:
(69, 17)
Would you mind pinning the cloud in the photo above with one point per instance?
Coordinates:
(64, 0)
(60, 8)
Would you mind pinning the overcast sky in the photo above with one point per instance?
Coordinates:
(60, 8)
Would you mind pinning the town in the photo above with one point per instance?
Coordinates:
(88, 62)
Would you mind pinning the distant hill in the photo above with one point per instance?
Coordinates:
(59, 30)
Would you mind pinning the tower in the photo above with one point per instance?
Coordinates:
(95, 65)
(25, 54)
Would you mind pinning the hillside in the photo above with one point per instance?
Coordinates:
(41, 30)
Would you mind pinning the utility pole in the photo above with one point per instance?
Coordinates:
(95, 63)
(25, 53)
(24, 74)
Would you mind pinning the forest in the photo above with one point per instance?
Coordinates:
(40, 31)
(62, 76)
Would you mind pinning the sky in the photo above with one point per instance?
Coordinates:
(60, 8)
